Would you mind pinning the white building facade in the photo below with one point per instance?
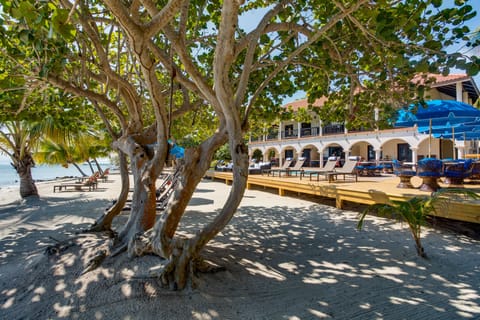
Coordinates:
(317, 142)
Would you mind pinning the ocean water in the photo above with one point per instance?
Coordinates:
(9, 177)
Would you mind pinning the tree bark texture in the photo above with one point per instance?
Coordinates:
(23, 167)
(104, 223)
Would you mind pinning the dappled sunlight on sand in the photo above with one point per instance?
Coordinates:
(256, 268)
(284, 258)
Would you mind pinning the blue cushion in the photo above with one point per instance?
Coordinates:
(437, 174)
(454, 171)
(407, 173)
(430, 167)
(476, 167)
(396, 164)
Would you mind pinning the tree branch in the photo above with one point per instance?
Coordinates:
(315, 36)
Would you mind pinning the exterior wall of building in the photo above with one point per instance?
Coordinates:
(292, 141)
(436, 95)
(384, 143)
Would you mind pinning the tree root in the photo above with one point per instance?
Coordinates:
(140, 244)
(59, 247)
(97, 228)
(95, 262)
(118, 249)
(171, 276)
(205, 266)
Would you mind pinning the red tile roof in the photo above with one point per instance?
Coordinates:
(303, 103)
(441, 80)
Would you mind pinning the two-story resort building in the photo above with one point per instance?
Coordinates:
(316, 141)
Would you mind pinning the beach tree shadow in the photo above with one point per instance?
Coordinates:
(416, 210)
(280, 262)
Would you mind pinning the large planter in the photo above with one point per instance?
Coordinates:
(475, 173)
(456, 171)
(405, 173)
(430, 170)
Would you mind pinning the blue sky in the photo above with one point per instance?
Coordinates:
(473, 24)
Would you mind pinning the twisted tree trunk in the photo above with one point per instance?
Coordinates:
(104, 223)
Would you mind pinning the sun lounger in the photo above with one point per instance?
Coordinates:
(296, 169)
(104, 175)
(286, 164)
(348, 169)
(329, 167)
(94, 176)
(162, 193)
(78, 186)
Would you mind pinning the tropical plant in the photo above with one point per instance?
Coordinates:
(223, 153)
(415, 210)
(31, 111)
(17, 140)
(51, 152)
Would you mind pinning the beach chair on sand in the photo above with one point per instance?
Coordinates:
(94, 176)
(348, 169)
(163, 192)
(329, 167)
(104, 175)
(272, 171)
(91, 184)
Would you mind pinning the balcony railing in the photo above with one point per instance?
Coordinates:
(290, 134)
(334, 129)
(361, 129)
(310, 132)
(273, 135)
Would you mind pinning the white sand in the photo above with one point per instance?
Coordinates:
(285, 258)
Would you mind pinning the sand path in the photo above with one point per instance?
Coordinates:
(285, 258)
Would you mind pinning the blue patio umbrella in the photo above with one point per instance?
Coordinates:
(440, 116)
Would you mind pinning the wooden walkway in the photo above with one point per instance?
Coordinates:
(367, 190)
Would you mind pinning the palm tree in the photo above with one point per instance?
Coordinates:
(18, 139)
(78, 147)
(51, 152)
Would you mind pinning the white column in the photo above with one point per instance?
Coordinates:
(377, 155)
(414, 154)
(299, 125)
(459, 88)
(280, 131)
(320, 129)
(461, 152)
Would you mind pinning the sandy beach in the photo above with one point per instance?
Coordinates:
(284, 258)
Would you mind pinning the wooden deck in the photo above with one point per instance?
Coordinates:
(367, 190)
